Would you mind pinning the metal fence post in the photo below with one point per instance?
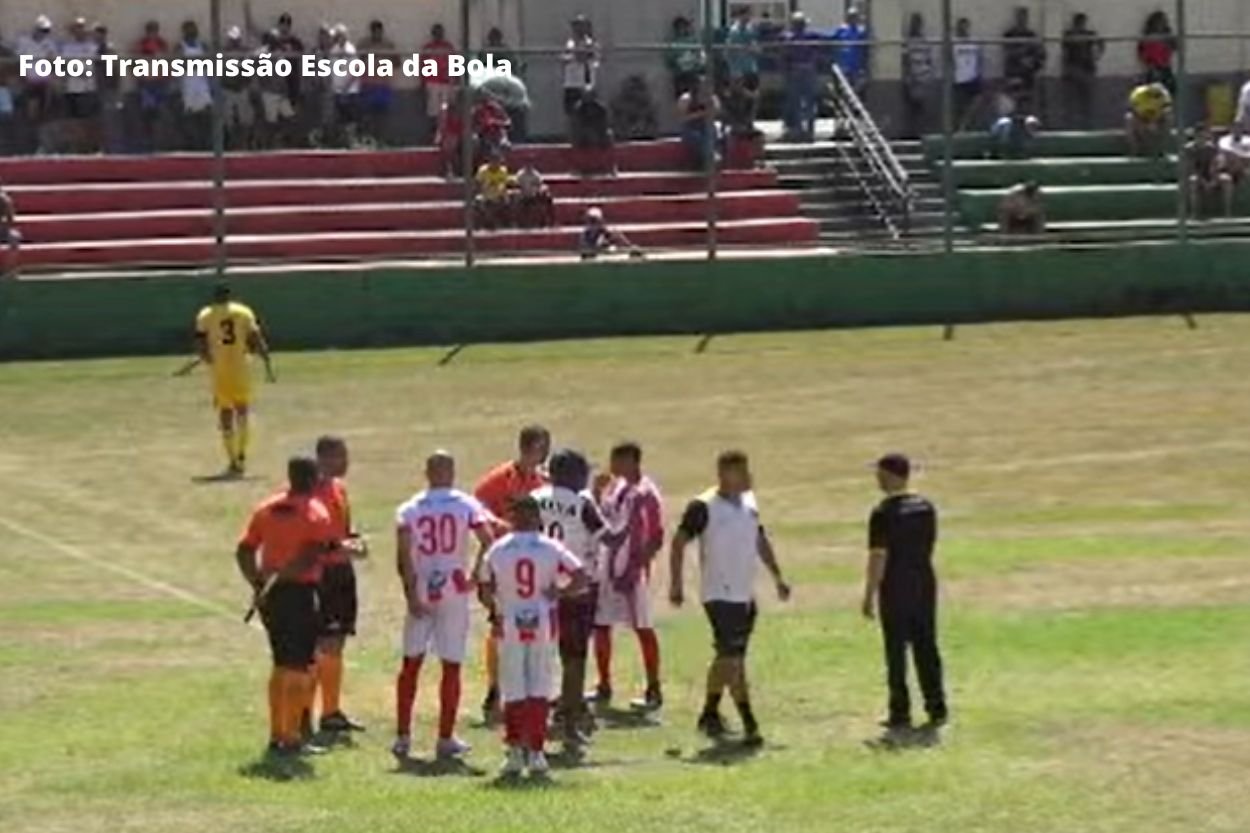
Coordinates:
(948, 130)
(466, 141)
(219, 152)
(1180, 117)
(709, 131)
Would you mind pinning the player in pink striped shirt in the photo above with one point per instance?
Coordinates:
(629, 500)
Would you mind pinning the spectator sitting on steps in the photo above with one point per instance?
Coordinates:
(535, 206)
(1021, 212)
(744, 142)
(1148, 120)
(10, 237)
(699, 110)
(491, 206)
(633, 111)
(1207, 172)
(490, 125)
(1014, 129)
(592, 136)
(598, 238)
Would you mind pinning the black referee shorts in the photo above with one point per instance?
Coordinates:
(732, 626)
(291, 618)
(338, 599)
(577, 623)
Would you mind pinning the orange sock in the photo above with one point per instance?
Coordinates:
(277, 706)
(330, 675)
(492, 661)
(297, 686)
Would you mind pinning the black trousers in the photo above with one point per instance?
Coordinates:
(912, 621)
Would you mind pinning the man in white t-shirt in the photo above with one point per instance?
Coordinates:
(36, 97)
(80, 90)
(581, 63)
(345, 87)
(522, 576)
(433, 529)
(726, 522)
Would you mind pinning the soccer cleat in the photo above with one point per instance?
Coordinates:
(538, 765)
(651, 701)
(339, 722)
(752, 739)
(401, 747)
(308, 749)
(600, 694)
(712, 725)
(452, 748)
(513, 762)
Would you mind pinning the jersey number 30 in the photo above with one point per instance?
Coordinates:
(437, 534)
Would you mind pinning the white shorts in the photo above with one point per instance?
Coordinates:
(525, 669)
(277, 107)
(632, 610)
(443, 632)
(436, 95)
(238, 110)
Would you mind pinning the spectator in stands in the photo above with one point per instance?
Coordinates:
(376, 93)
(346, 89)
(1013, 131)
(969, 73)
(10, 237)
(292, 48)
(152, 91)
(535, 206)
(581, 64)
(237, 113)
(743, 42)
(438, 88)
(919, 74)
(1082, 50)
(37, 90)
(598, 238)
(277, 109)
(633, 110)
(112, 127)
(1021, 211)
(318, 93)
(1148, 121)
(1207, 172)
(8, 75)
(449, 135)
(592, 137)
(744, 143)
(800, 60)
(497, 47)
(852, 53)
(1024, 56)
(197, 93)
(490, 125)
(1155, 51)
(491, 206)
(699, 110)
(82, 101)
(1241, 122)
(685, 57)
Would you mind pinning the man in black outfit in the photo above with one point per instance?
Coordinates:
(901, 534)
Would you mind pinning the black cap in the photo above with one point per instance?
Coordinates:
(221, 292)
(896, 464)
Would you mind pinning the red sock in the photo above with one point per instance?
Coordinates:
(603, 654)
(537, 734)
(406, 694)
(448, 700)
(650, 645)
(514, 722)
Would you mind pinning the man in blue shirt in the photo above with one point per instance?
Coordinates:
(801, 60)
(742, 55)
(852, 52)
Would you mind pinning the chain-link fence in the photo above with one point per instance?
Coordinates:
(741, 127)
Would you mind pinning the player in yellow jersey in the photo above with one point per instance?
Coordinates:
(226, 334)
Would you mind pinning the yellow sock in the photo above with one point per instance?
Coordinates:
(277, 707)
(330, 672)
(241, 445)
(227, 442)
(492, 661)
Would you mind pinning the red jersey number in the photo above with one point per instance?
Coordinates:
(437, 534)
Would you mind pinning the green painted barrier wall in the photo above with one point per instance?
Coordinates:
(321, 309)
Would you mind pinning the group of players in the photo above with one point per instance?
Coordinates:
(561, 558)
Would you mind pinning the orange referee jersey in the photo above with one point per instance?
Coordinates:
(282, 526)
(332, 492)
(503, 484)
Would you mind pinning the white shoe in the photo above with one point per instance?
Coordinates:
(401, 747)
(452, 748)
(514, 763)
(538, 764)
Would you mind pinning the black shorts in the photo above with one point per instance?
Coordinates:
(291, 618)
(338, 600)
(577, 623)
(572, 97)
(732, 626)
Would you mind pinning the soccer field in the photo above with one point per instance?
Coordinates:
(1095, 559)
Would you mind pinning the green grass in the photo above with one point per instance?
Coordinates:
(1094, 561)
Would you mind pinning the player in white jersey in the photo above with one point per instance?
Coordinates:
(524, 574)
(433, 531)
(631, 503)
(571, 516)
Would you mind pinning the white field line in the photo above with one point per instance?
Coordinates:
(127, 573)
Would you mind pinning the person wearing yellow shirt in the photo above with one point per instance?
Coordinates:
(227, 333)
(493, 180)
(1149, 119)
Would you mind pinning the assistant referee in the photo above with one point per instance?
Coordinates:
(900, 577)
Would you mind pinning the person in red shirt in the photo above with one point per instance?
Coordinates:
(280, 556)
(152, 91)
(490, 125)
(1155, 51)
(496, 491)
(337, 591)
(438, 88)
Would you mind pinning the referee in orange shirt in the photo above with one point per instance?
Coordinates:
(280, 555)
(496, 490)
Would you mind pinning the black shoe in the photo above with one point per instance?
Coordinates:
(600, 695)
(936, 722)
(712, 725)
(896, 724)
(651, 701)
(752, 739)
(309, 750)
(339, 722)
